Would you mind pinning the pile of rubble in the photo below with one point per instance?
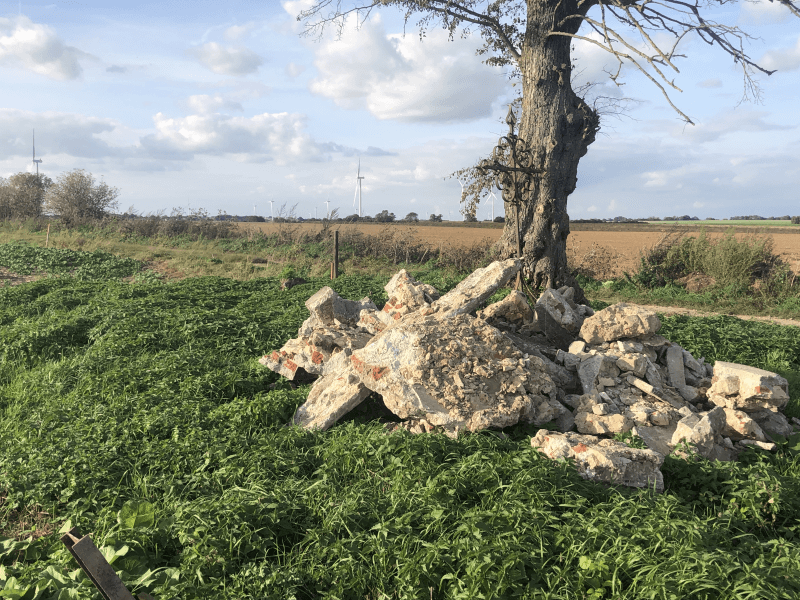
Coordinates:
(442, 365)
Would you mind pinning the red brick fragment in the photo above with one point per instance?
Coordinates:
(290, 365)
(580, 448)
(316, 357)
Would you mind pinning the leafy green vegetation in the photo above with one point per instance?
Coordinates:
(138, 412)
(25, 259)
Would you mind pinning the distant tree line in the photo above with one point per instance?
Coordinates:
(74, 196)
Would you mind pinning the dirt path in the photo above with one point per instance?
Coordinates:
(690, 312)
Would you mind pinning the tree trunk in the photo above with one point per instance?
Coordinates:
(558, 127)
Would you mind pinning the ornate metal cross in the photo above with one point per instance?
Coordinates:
(514, 176)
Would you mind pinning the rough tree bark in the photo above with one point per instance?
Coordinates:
(559, 127)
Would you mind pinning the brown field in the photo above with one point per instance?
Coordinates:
(618, 247)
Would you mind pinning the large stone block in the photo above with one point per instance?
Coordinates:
(514, 308)
(557, 319)
(619, 321)
(473, 291)
(739, 426)
(331, 397)
(740, 387)
(455, 371)
(703, 430)
(604, 460)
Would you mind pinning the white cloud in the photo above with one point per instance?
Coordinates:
(278, 137)
(205, 104)
(612, 205)
(59, 133)
(237, 32)
(786, 59)
(698, 205)
(710, 83)
(592, 208)
(227, 61)
(763, 12)
(405, 79)
(37, 48)
(293, 69)
(655, 178)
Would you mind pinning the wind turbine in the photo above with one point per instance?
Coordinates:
(358, 188)
(493, 198)
(272, 209)
(35, 160)
(254, 210)
(327, 209)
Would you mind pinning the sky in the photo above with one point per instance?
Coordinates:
(226, 107)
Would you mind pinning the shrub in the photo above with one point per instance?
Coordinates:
(76, 198)
(795, 220)
(728, 260)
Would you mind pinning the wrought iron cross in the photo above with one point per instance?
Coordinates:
(513, 177)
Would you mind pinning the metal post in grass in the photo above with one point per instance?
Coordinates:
(47, 239)
(513, 173)
(96, 567)
(335, 254)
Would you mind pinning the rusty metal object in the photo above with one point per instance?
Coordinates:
(512, 176)
(96, 567)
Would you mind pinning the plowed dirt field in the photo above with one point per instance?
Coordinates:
(619, 250)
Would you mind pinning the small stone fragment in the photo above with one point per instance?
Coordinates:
(603, 460)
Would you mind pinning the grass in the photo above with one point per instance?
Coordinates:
(743, 276)
(137, 412)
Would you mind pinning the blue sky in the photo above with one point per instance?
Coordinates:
(224, 106)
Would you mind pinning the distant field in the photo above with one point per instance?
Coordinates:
(755, 223)
(627, 241)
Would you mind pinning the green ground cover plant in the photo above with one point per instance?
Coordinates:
(138, 413)
(25, 259)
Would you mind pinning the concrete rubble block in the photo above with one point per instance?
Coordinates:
(619, 321)
(332, 396)
(576, 347)
(603, 460)
(769, 446)
(703, 430)
(312, 352)
(327, 307)
(595, 416)
(632, 363)
(405, 294)
(694, 366)
(557, 319)
(689, 393)
(548, 410)
(750, 389)
(739, 426)
(331, 328)
(562, 377)
(772, 423)
(473, 291)
(514, 308)
(375, 321)
(675, 368)
(657, 439)
(454, 370)
(594, 368)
